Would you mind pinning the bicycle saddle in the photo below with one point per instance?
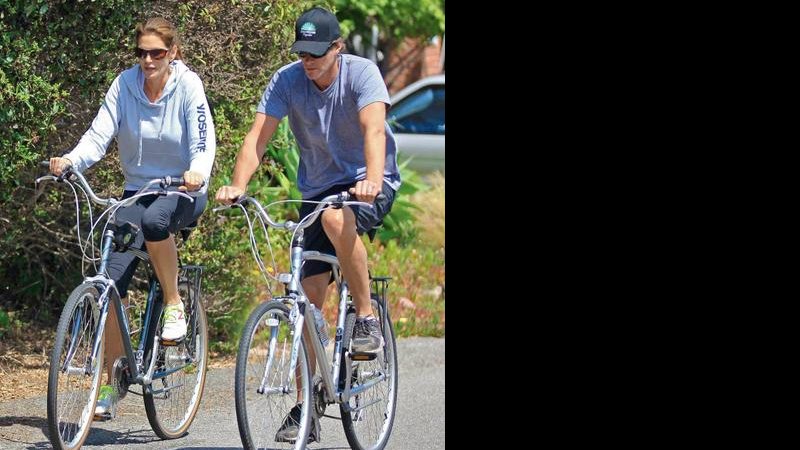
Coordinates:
(374, 230)
(187, 230)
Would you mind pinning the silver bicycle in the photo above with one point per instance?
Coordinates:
(273, 372)
(172, 373)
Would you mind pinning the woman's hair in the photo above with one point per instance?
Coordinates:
(162, 28)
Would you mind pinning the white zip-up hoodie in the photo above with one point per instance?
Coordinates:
(168, 137)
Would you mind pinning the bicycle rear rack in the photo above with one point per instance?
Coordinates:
(378, 286)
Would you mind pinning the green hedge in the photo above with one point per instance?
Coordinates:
(57, 59)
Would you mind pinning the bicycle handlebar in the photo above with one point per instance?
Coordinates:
(335, 200)
(69, 172)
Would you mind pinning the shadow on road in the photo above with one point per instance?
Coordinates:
(239, 448)
(97, 436)
(31, 421)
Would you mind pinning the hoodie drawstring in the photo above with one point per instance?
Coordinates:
(163, 119)
(139, 120)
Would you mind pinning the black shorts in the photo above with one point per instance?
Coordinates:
(162, 215)
(366, 219)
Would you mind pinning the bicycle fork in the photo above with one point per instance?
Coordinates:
(273, 337)
(102, 302)
(76, 328)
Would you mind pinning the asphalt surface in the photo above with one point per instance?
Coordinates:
(419, 423)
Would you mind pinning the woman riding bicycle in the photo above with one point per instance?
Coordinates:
(158, 111)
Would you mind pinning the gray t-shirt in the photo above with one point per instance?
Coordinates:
(325, 123)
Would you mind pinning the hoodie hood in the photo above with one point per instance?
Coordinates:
(133, 80)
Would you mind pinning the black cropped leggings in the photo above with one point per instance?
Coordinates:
(156, 217)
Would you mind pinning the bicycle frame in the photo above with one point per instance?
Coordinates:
(109, 295)
(301, 316)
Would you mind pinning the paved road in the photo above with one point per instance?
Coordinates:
(419, 424)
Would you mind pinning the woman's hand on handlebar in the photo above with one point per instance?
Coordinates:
(229, 194)
(192, 181)
(58, 165)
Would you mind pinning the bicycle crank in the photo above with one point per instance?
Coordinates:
(120, 372)
(319, 396)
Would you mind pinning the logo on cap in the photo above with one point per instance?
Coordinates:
(308, 29)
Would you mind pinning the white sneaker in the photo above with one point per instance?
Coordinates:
(174, 323)
(106, 408)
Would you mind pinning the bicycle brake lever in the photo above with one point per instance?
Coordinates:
(46, 178)
(191, 199)
(237, 202)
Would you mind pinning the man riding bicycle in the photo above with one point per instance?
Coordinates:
(336, 104)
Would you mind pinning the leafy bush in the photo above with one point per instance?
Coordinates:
(57, 60)
(5, 322)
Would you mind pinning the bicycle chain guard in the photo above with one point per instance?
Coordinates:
(319, 396)
(119, 372)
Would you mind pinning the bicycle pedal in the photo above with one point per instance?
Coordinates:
(106, 416)
(166, 343)
(363, 356)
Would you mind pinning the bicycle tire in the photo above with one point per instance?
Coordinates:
(259, 426)
(77, 331)
(370, 428)
(165, 424)
(349, 324)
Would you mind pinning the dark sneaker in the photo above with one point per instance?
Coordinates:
(367, 337)
(291, 425)
(106, 408)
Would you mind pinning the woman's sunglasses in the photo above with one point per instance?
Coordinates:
(156, 53)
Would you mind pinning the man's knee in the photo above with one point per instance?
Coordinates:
(338, 222)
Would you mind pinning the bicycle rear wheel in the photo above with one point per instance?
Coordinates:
(74, 380)
(172, 403)
(263, 398)
(368, 416)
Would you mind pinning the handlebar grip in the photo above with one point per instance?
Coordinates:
(347, 196)
(44, 164)
(178, 181)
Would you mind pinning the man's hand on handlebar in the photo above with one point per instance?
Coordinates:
(229, 194)
(366, 191)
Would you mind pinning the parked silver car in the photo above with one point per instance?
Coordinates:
(417, 121)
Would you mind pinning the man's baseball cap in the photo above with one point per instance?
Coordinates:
(314, 31)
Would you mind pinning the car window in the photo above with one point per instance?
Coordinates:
(421, 112)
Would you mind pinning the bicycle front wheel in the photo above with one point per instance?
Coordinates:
(265, 393)
(74, 378)
(368, 415)
(179, 378)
